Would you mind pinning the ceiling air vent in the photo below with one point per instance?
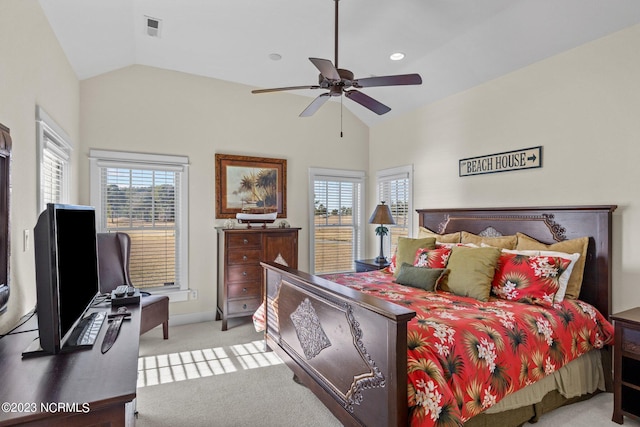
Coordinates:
(153, 26)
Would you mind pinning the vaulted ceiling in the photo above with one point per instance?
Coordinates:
(452, 44)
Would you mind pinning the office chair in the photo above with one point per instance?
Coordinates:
(114, 251)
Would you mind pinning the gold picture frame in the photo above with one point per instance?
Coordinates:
(250, 184)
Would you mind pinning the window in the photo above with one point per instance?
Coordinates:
(395, 188)
(54, 152)
(337, 218)
(145, 196)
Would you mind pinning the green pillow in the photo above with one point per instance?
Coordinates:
(419, 277)
(407, 248)
(471, 271)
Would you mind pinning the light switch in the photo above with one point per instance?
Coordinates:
(25, 240)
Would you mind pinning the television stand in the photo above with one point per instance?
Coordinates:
(77, 388)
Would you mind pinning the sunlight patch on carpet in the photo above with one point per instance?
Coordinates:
(187, 365)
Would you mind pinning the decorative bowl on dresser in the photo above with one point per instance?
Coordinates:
(626, 365)
(240, 283)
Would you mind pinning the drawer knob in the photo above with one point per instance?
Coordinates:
(244, 273)
(244, 290)
(244, 306)
(245, 241)
(244, 257)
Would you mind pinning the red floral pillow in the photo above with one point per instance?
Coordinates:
(528, 279)
(432, 258)
(391, 268)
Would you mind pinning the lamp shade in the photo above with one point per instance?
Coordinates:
(381, 215)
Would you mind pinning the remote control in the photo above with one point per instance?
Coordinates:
(121, 291)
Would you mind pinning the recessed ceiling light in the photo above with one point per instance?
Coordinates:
(397, 56)
(275, 56)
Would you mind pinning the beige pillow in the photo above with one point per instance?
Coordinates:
(407, 247)
(444, 238)
(471, 272)
(502, 242)
(578, 245)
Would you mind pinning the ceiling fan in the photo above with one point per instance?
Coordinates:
(340, 81)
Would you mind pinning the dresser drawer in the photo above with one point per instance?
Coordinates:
(244, 273)
(244, 305)
(244, 256)
(241, 290)
(244, 240)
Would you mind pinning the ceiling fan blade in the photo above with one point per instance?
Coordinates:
(367, 102)
(397, 80)
(315, 105)
(326, 68)
(278, 89)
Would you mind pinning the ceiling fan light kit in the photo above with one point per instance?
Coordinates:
(339, 81)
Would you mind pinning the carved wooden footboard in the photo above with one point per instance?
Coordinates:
(350, 349)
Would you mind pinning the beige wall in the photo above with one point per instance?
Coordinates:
(33, 71)
(150, 110)
(582, 106)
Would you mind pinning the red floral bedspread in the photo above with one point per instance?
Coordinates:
(465, 355)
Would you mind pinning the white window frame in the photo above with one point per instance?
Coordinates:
(391, 174)
(358, 208)
(52, 142)
(99, 159)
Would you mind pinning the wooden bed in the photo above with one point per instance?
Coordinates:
(360, 374)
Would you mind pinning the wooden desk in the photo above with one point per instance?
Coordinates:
(80, 388)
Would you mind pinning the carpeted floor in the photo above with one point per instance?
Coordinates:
(228, 384)
(202, 376)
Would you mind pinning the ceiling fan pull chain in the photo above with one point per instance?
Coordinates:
(340, 111)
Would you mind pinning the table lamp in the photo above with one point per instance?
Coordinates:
(381, 215)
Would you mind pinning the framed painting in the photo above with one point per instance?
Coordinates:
(251, 185)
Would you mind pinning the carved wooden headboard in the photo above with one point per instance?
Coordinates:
(547, 225)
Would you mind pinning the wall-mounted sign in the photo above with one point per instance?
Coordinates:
(527, 158)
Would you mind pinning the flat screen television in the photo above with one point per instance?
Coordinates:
(66, 259)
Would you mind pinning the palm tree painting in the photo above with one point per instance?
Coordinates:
(250, 183)
(249, 188)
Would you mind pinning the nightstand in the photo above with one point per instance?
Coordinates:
(626, 365)
(369, 265)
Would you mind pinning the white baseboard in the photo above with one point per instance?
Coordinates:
(184, 319)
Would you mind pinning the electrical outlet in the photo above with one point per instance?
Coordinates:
(194, 294)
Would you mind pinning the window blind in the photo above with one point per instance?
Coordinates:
(54, 154)
(337, 231)
(394, 187)
(52, 172)
(144, 203)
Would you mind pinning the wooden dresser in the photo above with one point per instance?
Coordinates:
(240, 251)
